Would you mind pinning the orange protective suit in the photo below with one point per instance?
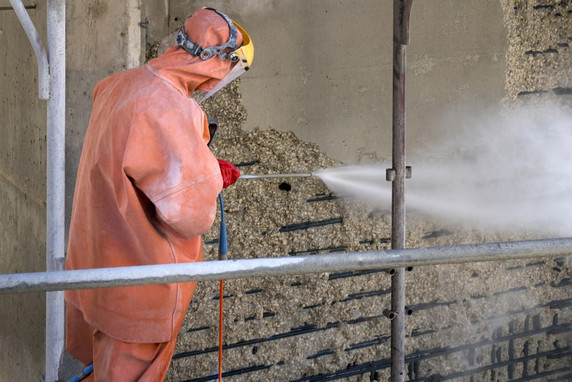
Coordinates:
(146, 190)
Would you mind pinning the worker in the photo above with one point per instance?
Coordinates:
(145, 193)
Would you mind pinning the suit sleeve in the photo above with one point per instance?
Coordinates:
(167, 158)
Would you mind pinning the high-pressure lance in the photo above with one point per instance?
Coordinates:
(267, 176)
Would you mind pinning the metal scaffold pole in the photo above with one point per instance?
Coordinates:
(51, 87)
(401, 14)
(55, 220)
(280, 266)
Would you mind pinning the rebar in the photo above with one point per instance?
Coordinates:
(311, 224)
(279, 266)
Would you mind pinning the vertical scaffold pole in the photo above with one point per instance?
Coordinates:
(401, 13)
(55, 220)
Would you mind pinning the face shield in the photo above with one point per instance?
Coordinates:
(240, 56)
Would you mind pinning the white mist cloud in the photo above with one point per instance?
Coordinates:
(509, 169)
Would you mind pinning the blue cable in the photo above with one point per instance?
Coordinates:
(84, 373)
(222, 243)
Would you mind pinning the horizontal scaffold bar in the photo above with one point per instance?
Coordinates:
(278, 266)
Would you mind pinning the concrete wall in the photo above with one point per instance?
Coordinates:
(103, 37)
(22, 195)
(323, 69)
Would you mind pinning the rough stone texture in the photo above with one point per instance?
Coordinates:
(539, 54)
(476, 322)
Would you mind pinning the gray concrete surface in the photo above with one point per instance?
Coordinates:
(103, 38)
(323, 69)
(22, 196)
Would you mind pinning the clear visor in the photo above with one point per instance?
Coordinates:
(235, 72)
(244, 55)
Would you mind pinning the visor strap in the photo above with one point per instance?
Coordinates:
(196, 50)
(187, 44)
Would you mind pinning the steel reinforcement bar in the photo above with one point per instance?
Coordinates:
(278, 266)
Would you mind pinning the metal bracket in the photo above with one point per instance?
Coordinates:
(390, 173)
(389, 314)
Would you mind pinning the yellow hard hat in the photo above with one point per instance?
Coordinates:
(246, 50)
(241, 56)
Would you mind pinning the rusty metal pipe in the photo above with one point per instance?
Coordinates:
(401, 17)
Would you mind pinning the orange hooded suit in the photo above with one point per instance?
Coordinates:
(146, 190)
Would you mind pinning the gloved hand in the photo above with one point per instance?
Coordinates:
(229, 173)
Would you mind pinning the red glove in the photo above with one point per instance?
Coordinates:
(229, 173)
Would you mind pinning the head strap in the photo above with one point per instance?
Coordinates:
(196, 50)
